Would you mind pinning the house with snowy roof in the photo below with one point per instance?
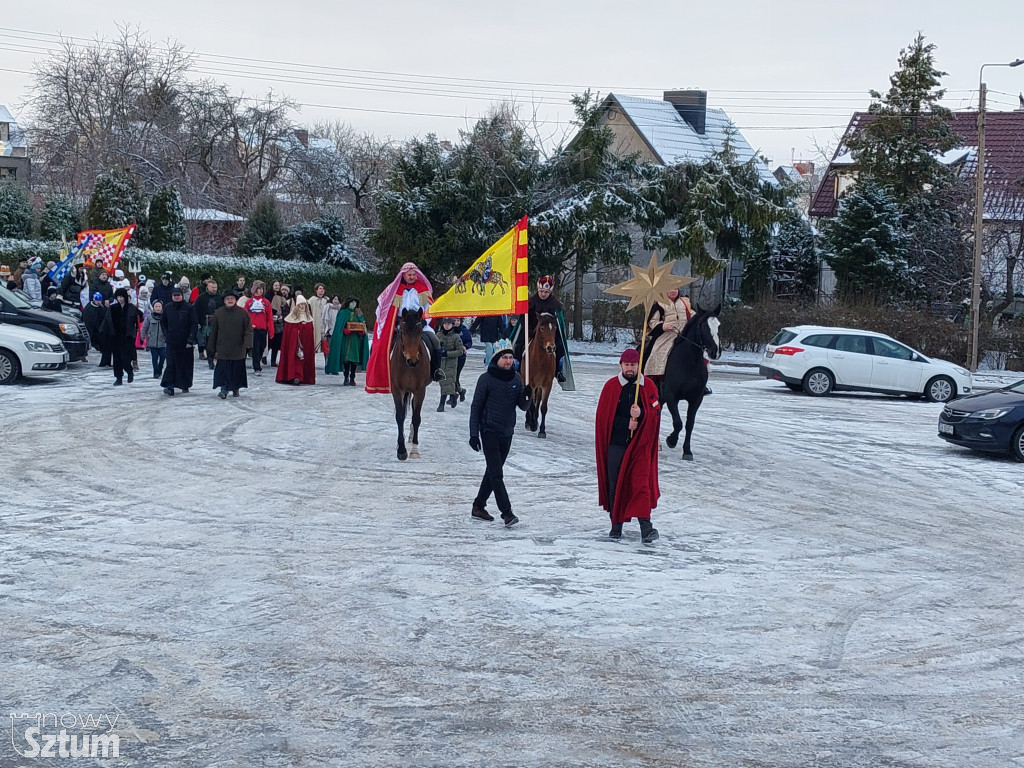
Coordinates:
(680, 127)
(15, 164)
(1003, 209)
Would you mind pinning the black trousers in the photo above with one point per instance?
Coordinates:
(122, 354)
(614, 463)
(259, 345)
(496, 450)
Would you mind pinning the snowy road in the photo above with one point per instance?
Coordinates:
(258, 582)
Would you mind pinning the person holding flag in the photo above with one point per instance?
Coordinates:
(409, 290)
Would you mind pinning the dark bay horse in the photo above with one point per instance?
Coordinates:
(543, 364)
(686, 373)
(410, 375)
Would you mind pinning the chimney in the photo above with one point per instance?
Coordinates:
(692, 106)
(303, 136)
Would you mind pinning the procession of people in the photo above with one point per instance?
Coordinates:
(239, 327)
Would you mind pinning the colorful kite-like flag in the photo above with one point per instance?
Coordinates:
(69, 257)
(496, 284)
(105, 247)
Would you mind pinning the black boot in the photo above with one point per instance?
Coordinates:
(707, 390)
(616, 531)
(480, 513)
(648, 532)
(440, 407)
(453, 400)
(558, 373)
(462, 395)
(436, 374)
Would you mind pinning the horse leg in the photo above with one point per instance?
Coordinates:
(531, 413)
(677, 423)
(543, 413)
(691, 416)
(399, 398)
(417, 404)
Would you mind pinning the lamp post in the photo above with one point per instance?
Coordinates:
(979, 213)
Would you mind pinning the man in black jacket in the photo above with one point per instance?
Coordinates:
(119, 327)
(162, 291)
(492, 421)
(180, 328)
(209, 301)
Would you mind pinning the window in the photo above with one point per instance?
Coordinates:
(782, 337)
(819, 340)
(886, 348)
(858, 344)
(8, 174)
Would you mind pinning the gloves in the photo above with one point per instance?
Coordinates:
(347, 332)
(528, 391)
(444, 352)
(474, 443)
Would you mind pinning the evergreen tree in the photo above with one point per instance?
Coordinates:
(898, 145)
(116, 202)
(263, 234)
(321, 240)
(867, 247)
(15, 211)
(166, 231)
(796, 262)
(60, 219)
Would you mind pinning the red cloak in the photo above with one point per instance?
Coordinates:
(290, 367)
(378, 367)
(637, 491)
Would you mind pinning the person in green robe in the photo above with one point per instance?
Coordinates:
(349, 348)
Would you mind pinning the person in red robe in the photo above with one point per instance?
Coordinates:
(626, 437)
(409, 290)
(298, 352)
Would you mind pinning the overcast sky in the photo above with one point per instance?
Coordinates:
(789, 72)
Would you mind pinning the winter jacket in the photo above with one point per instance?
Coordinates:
(539, 306)
(179, 324)
(230, 334)
(152, 332)
(498, 394)
(101, 287)
(30, 284)
(467, 340)
(71, 289)
(206, 305)
(452, 349)
(490, 328)
(120, 322)
(93, 315)
(161, 293)
(260, 315)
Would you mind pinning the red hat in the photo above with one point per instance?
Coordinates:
(630, 356)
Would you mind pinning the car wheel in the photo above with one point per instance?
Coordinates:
(818, 382)
(9, 367)
(796, 387)
(1017, 444)
(941, 389)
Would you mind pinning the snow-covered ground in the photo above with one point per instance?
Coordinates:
(259, 582)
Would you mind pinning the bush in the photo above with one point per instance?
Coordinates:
(60, 218)
(263, 235)
(321, 240)
(117, 202)
(166, 221)
(608, 315)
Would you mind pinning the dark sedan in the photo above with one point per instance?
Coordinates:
(991, 421)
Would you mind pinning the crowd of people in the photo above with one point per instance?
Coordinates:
(248, 324)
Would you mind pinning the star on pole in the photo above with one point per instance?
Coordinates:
(649, 284)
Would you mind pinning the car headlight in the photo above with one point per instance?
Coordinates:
(37, 346)
(990, 413)
(962, 371)
(70, 330)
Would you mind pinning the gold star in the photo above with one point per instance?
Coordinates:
(649, 284)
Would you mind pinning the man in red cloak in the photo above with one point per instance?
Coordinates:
(627, 438)
(409, 290)
(298, 350)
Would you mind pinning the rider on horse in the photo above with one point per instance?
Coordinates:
(409, 290)
(545, 302)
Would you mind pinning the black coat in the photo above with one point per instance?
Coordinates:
(71, 289)
(93, 315)
(179, 324)
(102, 287)
(120, 322)
(161, 293)
(206, 305)
(491, 328)
(498, 394)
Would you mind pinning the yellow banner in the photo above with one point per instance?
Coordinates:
(497, 283)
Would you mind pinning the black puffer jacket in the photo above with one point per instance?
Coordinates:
(179, 324)
(498, 394)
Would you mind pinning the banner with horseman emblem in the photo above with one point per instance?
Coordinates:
(496, 284)
(104, 247)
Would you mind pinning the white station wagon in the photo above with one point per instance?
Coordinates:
(819, 360)
(29, 352)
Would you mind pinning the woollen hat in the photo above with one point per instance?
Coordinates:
(176, 291)
(629, 355)
(502, 347)
(97, 296)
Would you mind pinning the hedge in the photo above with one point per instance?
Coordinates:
(225, 269)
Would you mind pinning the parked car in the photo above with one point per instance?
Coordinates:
(820, 360)
(16, 311)
(989, 421)
(29, 352)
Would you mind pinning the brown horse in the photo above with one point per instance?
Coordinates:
(543, 364)
(410, 375)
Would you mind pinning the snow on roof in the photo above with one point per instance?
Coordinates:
(210, 214)
(674, 140)
(321, 144)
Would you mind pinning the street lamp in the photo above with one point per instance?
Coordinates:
(979, 212)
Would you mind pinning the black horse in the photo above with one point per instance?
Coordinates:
(686, 372)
